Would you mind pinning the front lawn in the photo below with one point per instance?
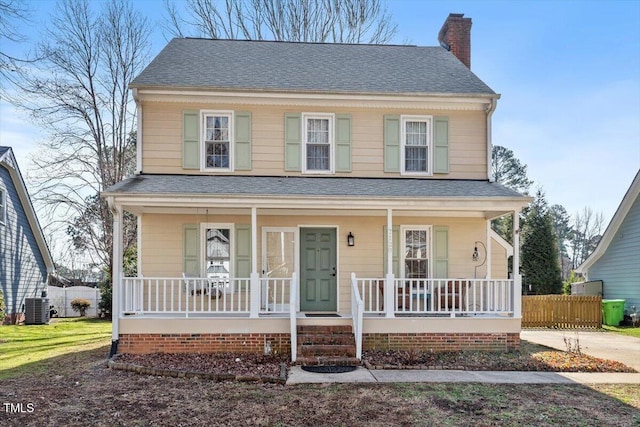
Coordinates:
(30, 349)
(625, 330)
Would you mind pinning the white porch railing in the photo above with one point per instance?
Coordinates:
(293, 312)
(440, 296)
(357, 311)
(275, 295)
(175, 296)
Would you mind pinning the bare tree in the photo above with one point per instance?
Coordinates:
(587, 231)
(14, 15)
(339, 21)
(79, 94)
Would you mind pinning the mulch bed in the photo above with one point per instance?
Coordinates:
(273, 369)
(527, 359)
(212, 366)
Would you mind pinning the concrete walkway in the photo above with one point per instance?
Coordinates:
(602, 344)
(363, 375)
(605, 345)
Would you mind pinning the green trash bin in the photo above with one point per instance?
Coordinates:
(612, 311)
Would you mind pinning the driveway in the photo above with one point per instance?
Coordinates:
(602, 344)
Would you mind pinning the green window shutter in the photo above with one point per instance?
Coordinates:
(395, 239)
(440, 252)
(343, 142)
(292, 142)
(191, 249)
(392, 143)
(243, 141)
(191, 139)
(441, 145)
(242, 251)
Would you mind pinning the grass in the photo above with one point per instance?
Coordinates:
(624, 330)
(29, 349)
(60, 369)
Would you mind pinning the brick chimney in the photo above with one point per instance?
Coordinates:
(455, 36)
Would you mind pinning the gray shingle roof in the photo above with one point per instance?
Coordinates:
(234, 185)
(309, 67)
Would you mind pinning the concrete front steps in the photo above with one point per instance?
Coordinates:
(333, 345)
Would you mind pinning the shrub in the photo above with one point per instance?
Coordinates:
(81, 305)
(105, 299)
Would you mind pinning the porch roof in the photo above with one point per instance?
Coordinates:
(239, 185)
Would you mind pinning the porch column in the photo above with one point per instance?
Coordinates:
(517, 279)
(488, 276)
(389, 288)
(254, 285)
(116, 273)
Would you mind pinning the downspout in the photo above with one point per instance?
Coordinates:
(116, 275)
(138, 131)
(490, 109)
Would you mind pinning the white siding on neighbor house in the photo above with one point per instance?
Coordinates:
(619, 266)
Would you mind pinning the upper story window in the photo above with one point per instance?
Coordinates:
(318, 146)
(217, 140)
(416, 141)
(3, 206)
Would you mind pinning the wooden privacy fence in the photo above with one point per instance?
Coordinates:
(562, 311)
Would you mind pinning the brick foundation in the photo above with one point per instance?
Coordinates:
(281, 343)
(203, 343)
(440, 342)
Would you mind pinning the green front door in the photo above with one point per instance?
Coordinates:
(318, 290)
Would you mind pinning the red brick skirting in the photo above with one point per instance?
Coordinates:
(203, 343)
(281, 343)
(442, 341)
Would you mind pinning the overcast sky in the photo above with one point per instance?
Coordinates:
(568, 73)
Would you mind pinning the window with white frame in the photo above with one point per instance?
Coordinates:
(416, 252)
(3, 206)
(217, 137)
(217, 250)
(318, 143)
(416, 143)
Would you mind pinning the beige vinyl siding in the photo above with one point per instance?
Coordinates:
(162, 139)
(162, 243)
(499, 261)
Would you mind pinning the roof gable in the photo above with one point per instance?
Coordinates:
(618, 218)
(309, 67)
(8, 161)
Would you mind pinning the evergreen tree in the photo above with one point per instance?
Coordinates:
(540, 264)
(510, 172)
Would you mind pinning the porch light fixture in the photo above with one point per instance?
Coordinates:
(351, 240)
(476, 256)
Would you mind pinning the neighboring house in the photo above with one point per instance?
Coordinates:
(283, 186)
(616, 259)
(25, 260)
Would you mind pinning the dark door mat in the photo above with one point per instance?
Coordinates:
(329, 369)
(321, 315)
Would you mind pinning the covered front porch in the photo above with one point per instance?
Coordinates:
(380, 262)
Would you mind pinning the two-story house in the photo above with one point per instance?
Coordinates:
(285, 186)
(25, 260)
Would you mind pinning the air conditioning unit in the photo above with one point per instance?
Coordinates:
(36, 311)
